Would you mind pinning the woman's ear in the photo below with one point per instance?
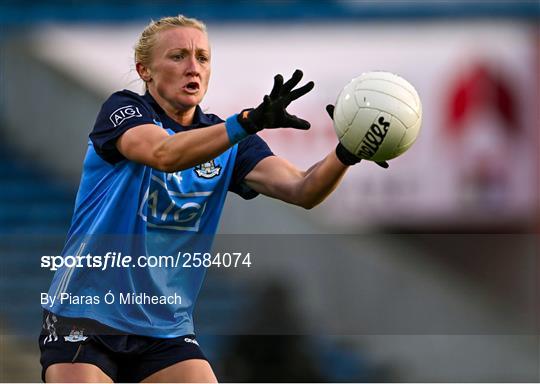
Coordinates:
(144, 72)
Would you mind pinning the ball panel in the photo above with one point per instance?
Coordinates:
(388, 103)
(355, 132)
(389, 88)
(411, 134)
(340, 123)
(346, 107)
(390, 77)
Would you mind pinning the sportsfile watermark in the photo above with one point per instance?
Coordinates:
(377, 284)
(181, 260)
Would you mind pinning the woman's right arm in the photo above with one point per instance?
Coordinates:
(151, 145)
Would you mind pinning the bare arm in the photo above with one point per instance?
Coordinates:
(151, 145)
(278, 178)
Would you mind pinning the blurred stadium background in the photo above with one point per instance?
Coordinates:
(427, 271)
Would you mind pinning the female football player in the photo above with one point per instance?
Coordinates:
(154, 181)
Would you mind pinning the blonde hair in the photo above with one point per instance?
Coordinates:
(147, 40)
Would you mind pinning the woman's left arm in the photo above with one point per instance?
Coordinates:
(278, 178)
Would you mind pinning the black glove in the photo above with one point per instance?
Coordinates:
(271, 112)
(343, 153)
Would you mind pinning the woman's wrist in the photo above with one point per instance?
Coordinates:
(235, 131)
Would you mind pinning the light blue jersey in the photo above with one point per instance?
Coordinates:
(126, 208)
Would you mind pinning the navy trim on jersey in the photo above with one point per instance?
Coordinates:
(251, 150)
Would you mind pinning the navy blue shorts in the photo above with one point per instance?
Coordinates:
(124, 358)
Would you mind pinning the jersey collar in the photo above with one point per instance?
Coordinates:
(200, 119)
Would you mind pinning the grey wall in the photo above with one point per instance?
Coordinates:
(47, 115)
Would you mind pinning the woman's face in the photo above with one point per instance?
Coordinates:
(180, 68)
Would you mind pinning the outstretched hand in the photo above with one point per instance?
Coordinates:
(343, 154)
(272, 113)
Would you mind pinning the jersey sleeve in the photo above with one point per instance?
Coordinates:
(122, 111)
(250, 151)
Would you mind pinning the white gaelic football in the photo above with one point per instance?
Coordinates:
(377, 116)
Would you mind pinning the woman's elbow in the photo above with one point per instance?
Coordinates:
(308, 204)
(307, 200)
(164, 161)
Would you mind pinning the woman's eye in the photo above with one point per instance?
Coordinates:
(177, 57)
(203, 59)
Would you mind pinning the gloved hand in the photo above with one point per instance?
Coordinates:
(343, 153)
(271, 113)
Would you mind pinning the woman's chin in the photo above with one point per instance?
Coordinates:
(189, 101)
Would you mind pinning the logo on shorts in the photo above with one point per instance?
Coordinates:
(124, 113)
(208, 170)
(192, 341)
(49, 325)
(75, 336)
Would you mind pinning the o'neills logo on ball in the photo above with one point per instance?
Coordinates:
(373, 139)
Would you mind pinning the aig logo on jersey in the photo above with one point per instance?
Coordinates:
(207, 170)
(124, 113)
(165, 206)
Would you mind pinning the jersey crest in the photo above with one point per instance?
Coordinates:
(207, 170)
(75, 336)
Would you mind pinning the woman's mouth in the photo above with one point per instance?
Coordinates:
(192, 87)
